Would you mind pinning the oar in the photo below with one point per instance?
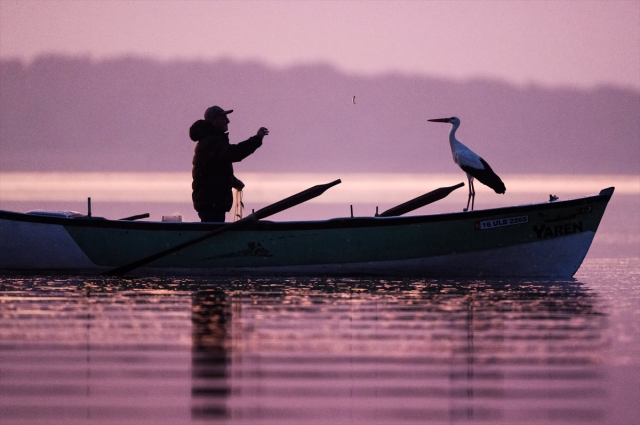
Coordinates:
(272, 209)
(420, 201)
(135, 217)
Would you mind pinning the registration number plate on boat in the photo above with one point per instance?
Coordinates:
(501, 222)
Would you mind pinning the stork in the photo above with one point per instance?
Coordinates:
(471, 163)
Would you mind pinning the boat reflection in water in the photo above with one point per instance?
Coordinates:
(378, 351)
(301, 351)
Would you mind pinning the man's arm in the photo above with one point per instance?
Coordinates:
(236, 153)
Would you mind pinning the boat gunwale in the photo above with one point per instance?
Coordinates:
(333, 223)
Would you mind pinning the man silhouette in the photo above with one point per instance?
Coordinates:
(212, 170)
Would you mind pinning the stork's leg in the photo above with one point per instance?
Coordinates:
(473, 192)
(470, 180)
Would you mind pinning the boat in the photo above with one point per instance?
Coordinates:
(549, 239)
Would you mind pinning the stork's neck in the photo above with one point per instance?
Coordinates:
(452, 135)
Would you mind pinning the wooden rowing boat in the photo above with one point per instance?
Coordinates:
(547, 239)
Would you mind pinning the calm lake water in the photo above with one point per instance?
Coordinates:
(316, 351)
(77, 350)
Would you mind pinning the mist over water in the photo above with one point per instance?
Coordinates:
(270, 187)
(61, 113)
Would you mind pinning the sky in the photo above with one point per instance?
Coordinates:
(551, 43)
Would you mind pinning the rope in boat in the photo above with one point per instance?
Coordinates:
(239, 205)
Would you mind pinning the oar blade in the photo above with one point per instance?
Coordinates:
(294, 200)
(420, 201)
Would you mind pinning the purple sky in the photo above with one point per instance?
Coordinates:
(580, 43)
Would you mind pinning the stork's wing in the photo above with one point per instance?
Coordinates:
(486, 176)
(465, 157)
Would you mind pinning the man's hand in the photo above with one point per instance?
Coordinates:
(262, 132)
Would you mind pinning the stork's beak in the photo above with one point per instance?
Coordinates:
(440, 120)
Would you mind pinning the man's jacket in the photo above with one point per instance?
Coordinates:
(212, 165)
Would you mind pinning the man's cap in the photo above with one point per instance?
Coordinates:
(214, 111)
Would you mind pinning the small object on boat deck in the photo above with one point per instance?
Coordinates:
(177, 218)
(351, 210)
(376, 211)
(135, 217)
(89, 207)
(552, 198)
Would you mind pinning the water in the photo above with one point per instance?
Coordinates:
(316, 351)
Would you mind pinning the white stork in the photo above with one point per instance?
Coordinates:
(471, 163)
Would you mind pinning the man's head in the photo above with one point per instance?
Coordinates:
(218, 117)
